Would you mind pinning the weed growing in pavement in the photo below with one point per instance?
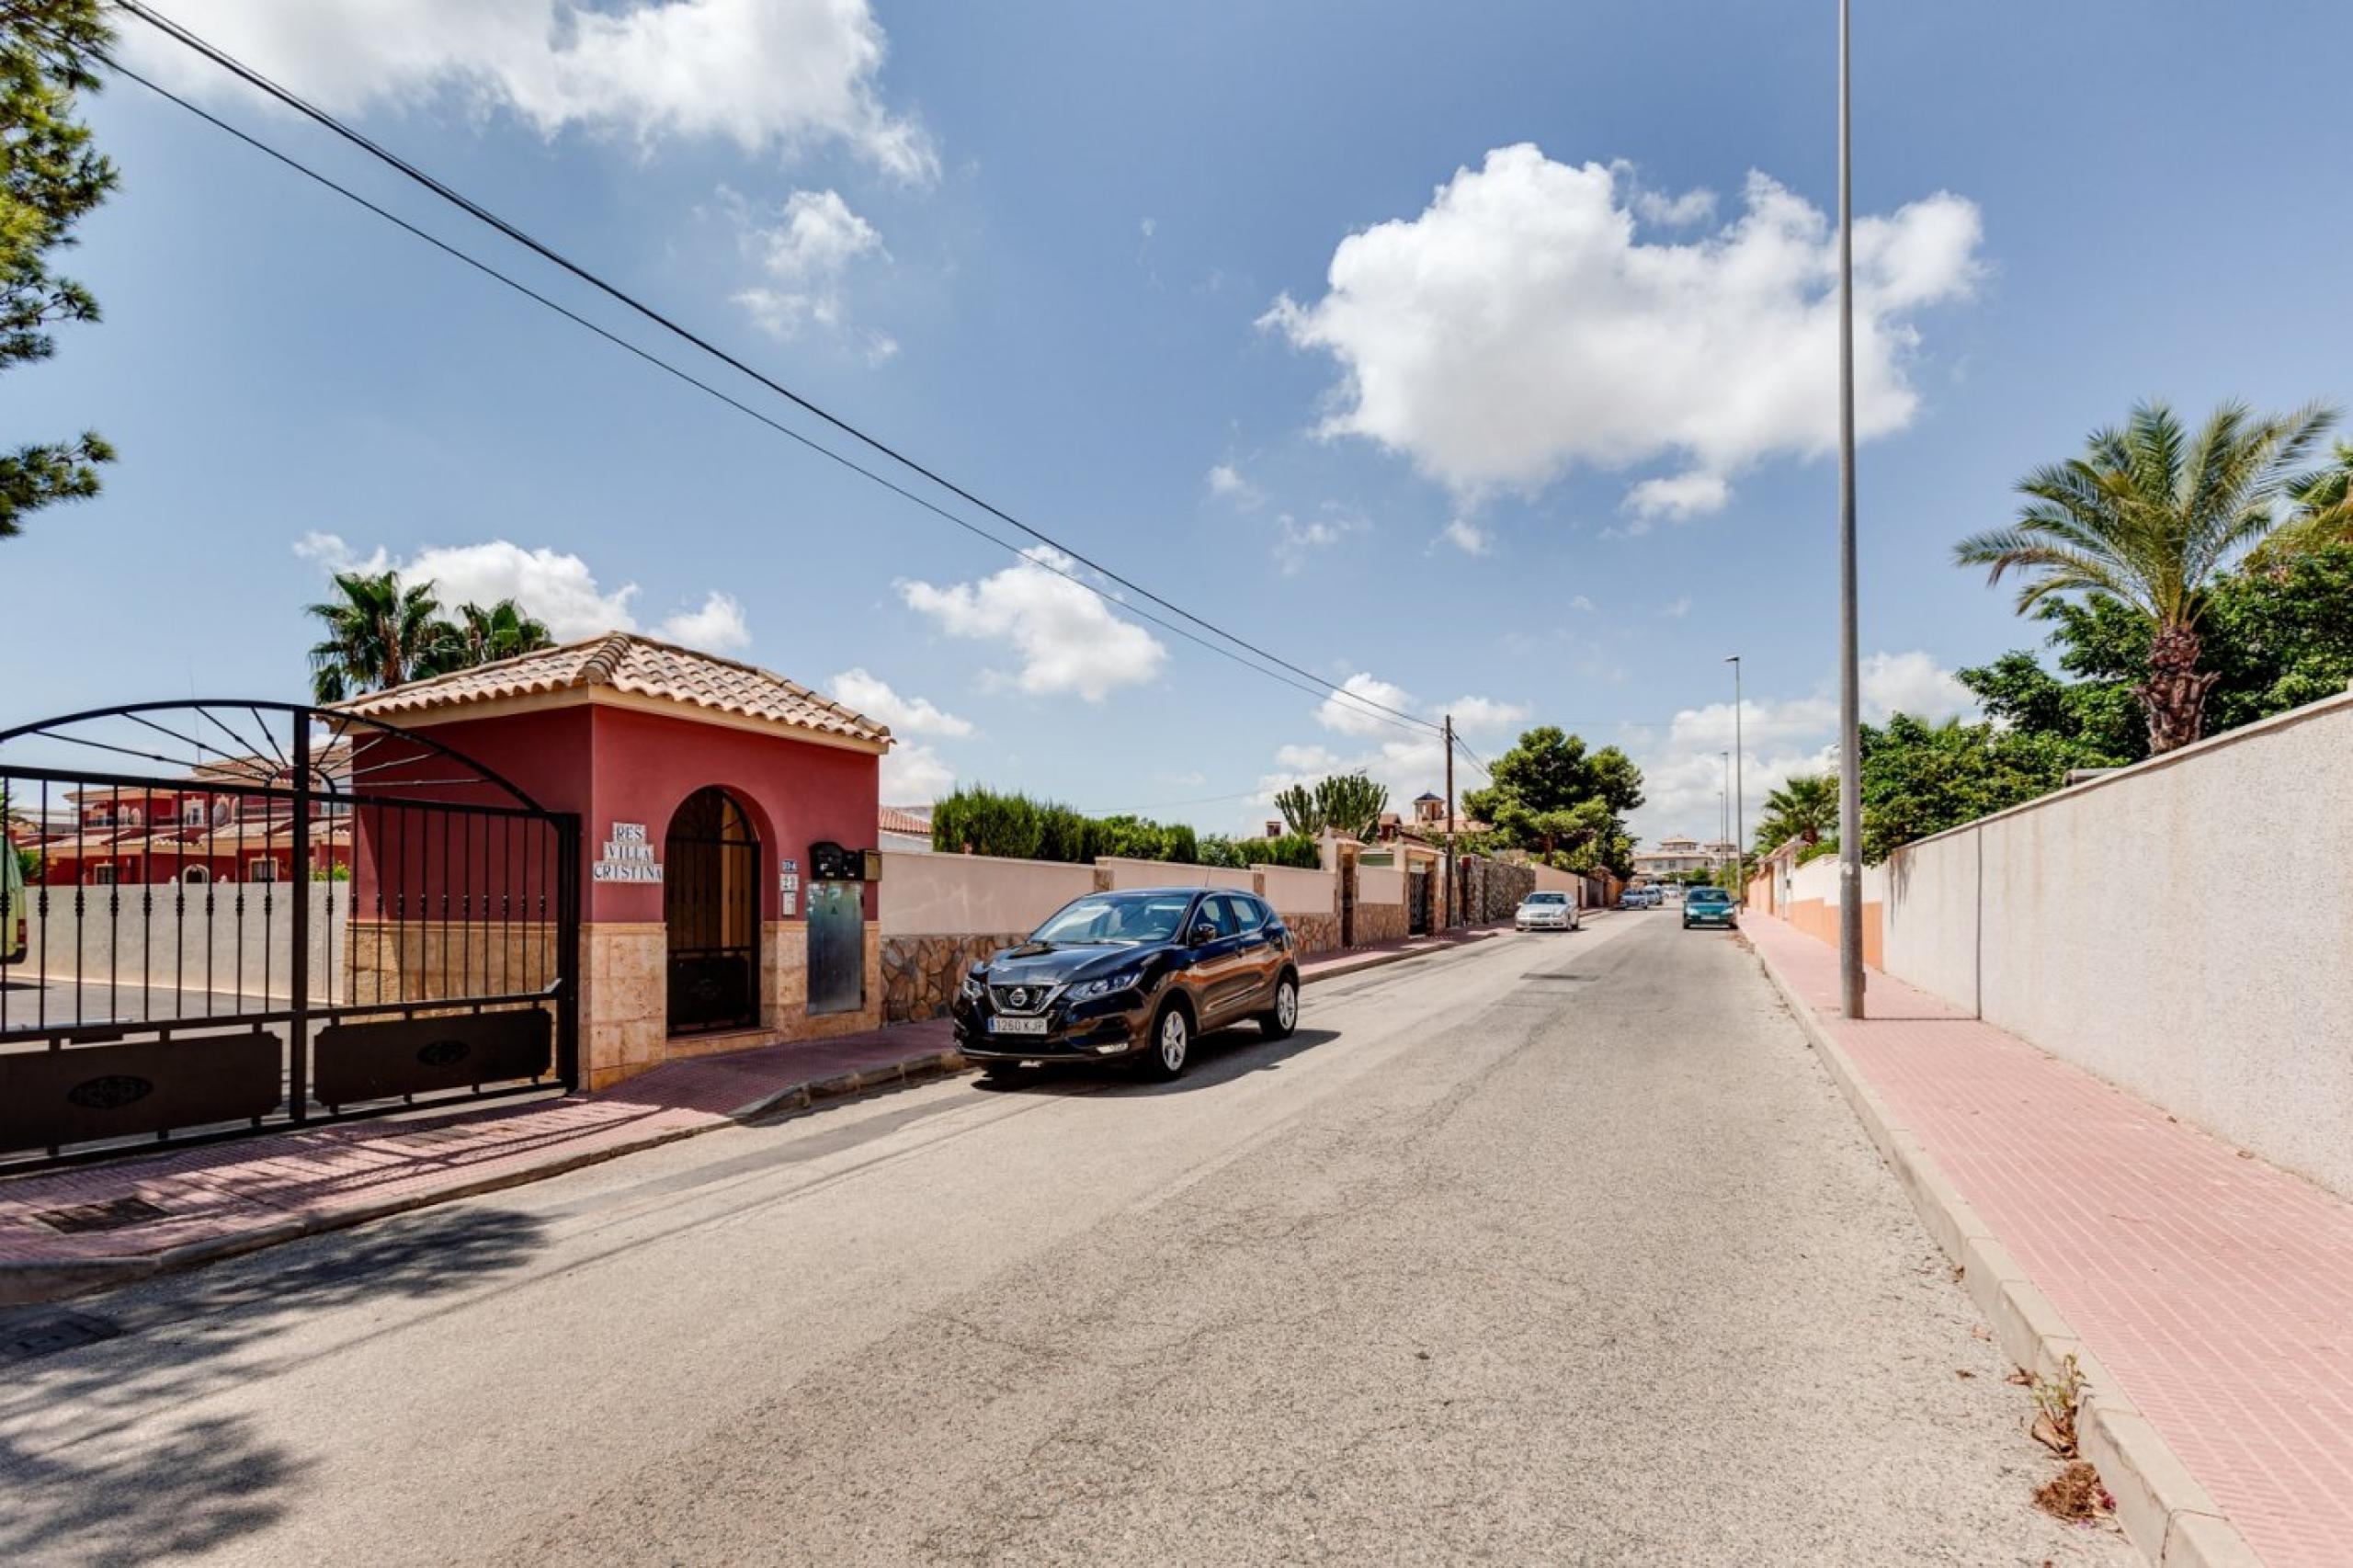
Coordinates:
(2076, 1495)
(2055, 1401)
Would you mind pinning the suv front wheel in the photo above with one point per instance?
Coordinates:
(1278, 1020)
(1172, 1043)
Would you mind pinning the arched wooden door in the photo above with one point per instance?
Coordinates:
(710, 902)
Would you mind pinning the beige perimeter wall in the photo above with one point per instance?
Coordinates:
(2183, 928)
(934, 895)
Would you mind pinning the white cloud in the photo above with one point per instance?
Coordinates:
(1675, 212)
(1582, 603)
(872, 695)
(1295, 541)
(1677, 496)
(765, 75)
(1517, 327)
(914, 773)
(1467, 537)
(1227, 483)
(1912, 683)
(718, 627)
(1677, 610)
(1356, 717)
(1682, 769)
(1150, 227)
(1068, 639)
(1475, 714)
(552, 585)
(805, 258)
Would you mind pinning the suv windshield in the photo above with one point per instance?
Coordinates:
(1122, 918)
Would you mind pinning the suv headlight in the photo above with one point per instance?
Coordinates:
(1089, 990)
(972, 988)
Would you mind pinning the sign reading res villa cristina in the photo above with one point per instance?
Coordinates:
(628, 857)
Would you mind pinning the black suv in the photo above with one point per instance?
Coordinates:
(1116, 976)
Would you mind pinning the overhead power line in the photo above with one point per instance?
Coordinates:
(689, 378)
(292, 101)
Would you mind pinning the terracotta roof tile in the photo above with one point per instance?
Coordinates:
(627, 661)
(898, 819)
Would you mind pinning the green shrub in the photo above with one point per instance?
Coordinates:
(982, 821)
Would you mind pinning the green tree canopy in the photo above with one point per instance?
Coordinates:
(380, 633)
(1548, 796)
(2277, 635)
(49, 178)
(2146, 520)
(1920, 779)
(1346, 803)
(1804, 808)
(480, 635)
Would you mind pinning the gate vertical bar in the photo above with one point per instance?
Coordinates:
(298, 975)
(567, 951)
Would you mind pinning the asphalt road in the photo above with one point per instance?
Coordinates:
(1557, 1248)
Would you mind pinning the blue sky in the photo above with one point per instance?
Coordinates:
(1096, 262)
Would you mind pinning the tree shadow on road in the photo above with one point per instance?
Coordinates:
(101, 1459)
(1219, 1058)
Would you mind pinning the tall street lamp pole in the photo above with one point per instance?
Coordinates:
(1850, 747)
(1723, 811)
(1739, 782)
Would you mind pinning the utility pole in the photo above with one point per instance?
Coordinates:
(1446, 910)
(1739, 806)
(1850, 744)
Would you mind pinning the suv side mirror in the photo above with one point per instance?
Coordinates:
(1203, 933)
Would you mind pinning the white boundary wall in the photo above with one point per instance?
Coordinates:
(925, 895)
(1380, 884)
(1169, 874)
(1295, 891)
(2183, 927)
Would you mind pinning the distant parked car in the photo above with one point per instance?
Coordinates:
(1131, 976)
(1710, 906)
(1546, 912)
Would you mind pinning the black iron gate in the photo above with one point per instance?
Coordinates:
(301, 916)
(711, 905)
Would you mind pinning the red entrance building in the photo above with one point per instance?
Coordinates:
(726, 812)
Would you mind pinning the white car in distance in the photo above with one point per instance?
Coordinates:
(1546, 912)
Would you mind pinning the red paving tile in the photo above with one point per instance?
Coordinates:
(231, 1190)
(2217, 1289)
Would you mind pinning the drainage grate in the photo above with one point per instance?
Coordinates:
(114, 1214)
(48, 1336)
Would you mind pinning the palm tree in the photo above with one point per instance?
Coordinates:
(479, 635)
(379, 634)
(1806, 807)
(2145, 518)
(2322, 514)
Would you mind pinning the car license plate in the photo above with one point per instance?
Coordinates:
(1016, 1026)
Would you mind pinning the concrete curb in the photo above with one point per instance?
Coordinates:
(25, 1284)
(2164, 1511)
(1343, 968)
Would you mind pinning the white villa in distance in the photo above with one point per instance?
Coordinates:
(1675, 856)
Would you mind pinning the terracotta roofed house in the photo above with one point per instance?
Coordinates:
(713, 797)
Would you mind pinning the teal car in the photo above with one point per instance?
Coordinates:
(1710, 906)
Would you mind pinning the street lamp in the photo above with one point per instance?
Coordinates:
(1724, 810)
(1850, 746)
(1739, 806)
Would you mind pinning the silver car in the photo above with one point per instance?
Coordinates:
(1546, 912)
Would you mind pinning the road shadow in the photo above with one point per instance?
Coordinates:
(96, 1464)
(1220, 1057)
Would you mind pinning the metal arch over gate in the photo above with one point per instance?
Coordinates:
(237, 916)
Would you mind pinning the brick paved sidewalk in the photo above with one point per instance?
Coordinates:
(2215, 1290)
(233, 1197)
